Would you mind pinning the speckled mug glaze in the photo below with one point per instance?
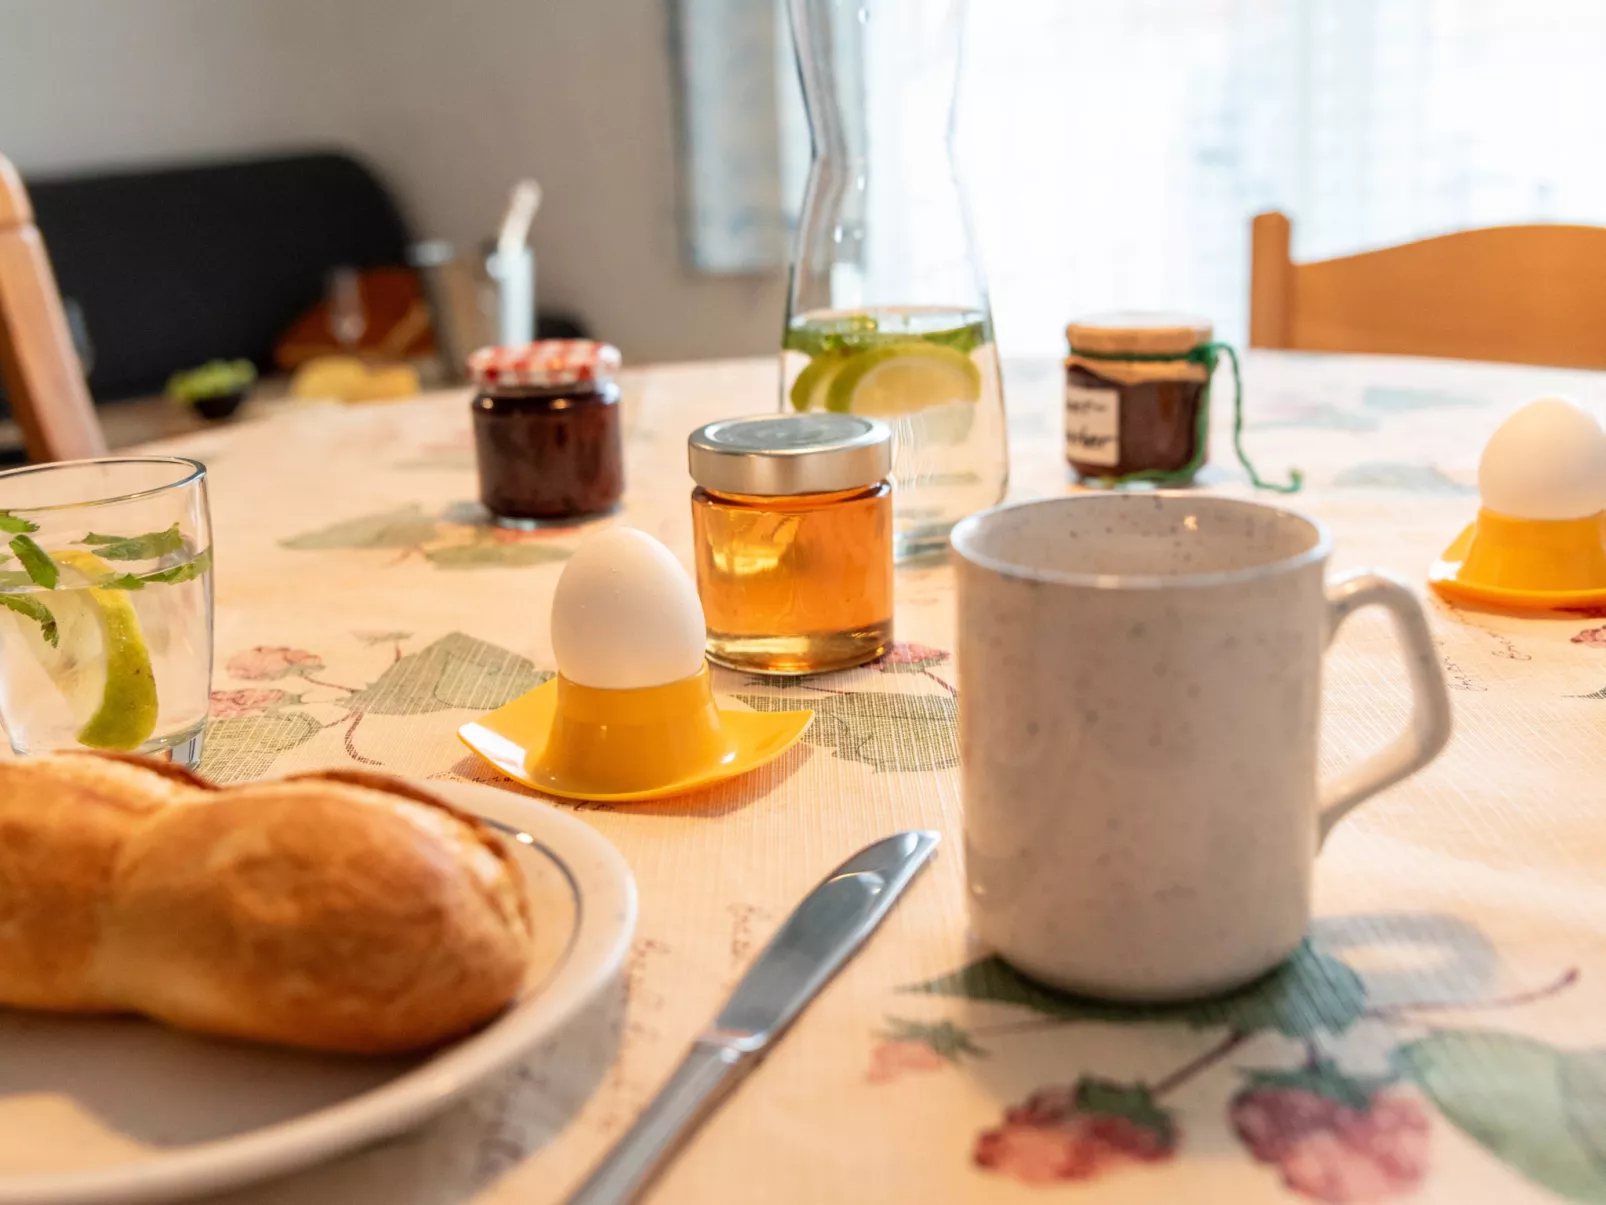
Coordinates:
(1140, 697)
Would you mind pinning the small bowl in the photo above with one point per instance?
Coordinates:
(220, 407)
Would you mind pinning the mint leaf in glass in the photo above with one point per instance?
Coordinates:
(36, 561)
(188, 571)
(136, 548)
(27, 604)
(10, 522)
(120, 581)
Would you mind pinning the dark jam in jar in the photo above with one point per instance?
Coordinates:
(1133, 394)
(1158, 425)
(546, 430)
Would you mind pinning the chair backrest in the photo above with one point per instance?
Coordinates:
(49, 398)
(1521, 294)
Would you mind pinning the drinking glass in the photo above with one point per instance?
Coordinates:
(106, 606)
(887, 311)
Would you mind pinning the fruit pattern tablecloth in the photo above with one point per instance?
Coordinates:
(1442, 1038)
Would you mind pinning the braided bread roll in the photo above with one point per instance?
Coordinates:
(344, 912)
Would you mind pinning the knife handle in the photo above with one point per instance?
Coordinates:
(704, 1076)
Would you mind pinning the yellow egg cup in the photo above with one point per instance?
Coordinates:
(620, 746)
(1525, 564)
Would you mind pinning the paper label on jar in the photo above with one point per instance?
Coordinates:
(1093, 425)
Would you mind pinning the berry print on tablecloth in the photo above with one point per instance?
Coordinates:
(1333, 1137)
(252, 726)
(1078, 1133)
(1330, 1133)
(268, 663)
(233, 704)
(904, 658)
(912, 1047)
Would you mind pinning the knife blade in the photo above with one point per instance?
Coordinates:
(824, 931)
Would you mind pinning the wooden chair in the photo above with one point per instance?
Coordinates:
(44, 381)
(1521, 294)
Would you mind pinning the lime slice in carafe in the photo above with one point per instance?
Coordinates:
(902, 378)
(99, 662)
(813, 384)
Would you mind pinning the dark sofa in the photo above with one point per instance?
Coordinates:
(170, 267)
(164, 268)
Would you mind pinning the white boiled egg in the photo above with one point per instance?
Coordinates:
(625, 614)
(1547, 461)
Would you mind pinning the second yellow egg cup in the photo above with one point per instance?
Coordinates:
(1525, 564)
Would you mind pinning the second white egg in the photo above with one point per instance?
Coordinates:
(1547, 461)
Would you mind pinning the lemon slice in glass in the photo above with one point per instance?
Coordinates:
(100, 662)
(903, 378)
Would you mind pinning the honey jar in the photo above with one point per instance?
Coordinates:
(792, 525)
(546, 430)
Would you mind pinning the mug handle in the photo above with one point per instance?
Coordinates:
(1429, 730)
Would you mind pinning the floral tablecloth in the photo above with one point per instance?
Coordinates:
(1441, 1038)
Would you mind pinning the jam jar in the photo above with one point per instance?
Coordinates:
(1137, 390)
(792, 529)
(546, 430)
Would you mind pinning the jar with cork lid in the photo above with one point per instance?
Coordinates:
(1137, 399)
(793, 532)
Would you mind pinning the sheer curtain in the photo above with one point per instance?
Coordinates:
(1115, 150)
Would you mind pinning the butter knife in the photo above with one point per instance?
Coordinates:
(826, 930)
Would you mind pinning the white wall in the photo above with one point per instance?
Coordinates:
(449, 101)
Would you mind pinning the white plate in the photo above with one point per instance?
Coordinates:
(120, 1111)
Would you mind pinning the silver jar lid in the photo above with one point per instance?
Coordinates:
(782, 454)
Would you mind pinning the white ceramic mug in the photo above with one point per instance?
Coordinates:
(1140, 681)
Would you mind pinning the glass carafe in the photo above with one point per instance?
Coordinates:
(887, 313)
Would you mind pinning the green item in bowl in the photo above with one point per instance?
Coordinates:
(218, 378)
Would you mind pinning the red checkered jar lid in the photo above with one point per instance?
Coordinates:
(545, 364)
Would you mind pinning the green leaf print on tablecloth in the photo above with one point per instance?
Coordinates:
(456, 671)
(890, 732)
(1415, 478)
(1392, 399)
(1583, 1080)
(944, 1038)
(447, 540)
(245, 747)
(1540, 1109)
(406, 527)
(1311, 993)
(492, 554)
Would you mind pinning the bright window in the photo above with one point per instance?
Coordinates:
(1115, 150)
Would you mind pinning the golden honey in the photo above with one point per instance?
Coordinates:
(794, 580)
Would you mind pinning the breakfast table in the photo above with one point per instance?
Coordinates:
(1440, 1038)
